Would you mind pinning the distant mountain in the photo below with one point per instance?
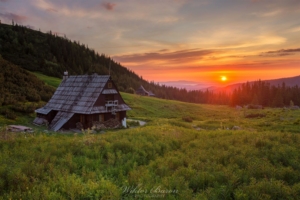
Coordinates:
(188, 85)
(289, 82)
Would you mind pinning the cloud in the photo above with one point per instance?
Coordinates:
(272, 13)
(280, 53)
(285, 51)
(276, 55)
(3, 0)
(51, 10)
(163, 56)
(296, 29)
(15, 17)
(108, 6)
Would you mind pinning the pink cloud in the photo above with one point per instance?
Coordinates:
(51, 10)
(15, 17)
(108, 6)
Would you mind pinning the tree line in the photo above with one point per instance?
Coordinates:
(265, 94)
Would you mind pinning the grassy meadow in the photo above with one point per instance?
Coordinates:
(185, 151)
(48, 79)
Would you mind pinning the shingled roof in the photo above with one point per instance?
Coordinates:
(141, 90)
(78, 94)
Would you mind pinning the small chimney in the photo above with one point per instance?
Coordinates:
(65, 77)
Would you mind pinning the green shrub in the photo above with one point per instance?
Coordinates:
(255, 115)
(187, 119)
(130, 90)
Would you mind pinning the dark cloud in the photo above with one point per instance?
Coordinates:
(108, 6)
(280, 53)
(163, 50)
(51, 10)
(15, 17)
(3, 0)
(285, 51)
(276, 54)
(177, 56)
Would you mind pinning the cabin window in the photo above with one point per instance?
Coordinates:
(101, 118)
(109, 85)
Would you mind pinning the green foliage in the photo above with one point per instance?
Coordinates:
(52, 81)
(187, 119)
(130, 91)
(255, 115)
(168, 158)
(8, 113)
(26, 107)
(18, 86)
(262, 93)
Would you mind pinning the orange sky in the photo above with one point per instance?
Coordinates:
(172, 40)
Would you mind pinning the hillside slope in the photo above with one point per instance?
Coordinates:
(52, 55)
(18, 85)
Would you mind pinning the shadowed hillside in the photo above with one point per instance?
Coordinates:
(17, 84)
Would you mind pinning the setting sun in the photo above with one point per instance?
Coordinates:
(223, 78)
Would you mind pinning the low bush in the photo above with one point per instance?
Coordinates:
(10, 115)
(187, 119)
(24, 108)
(255, 115)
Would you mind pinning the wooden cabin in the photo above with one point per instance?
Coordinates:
(141, 91)
(83, 99)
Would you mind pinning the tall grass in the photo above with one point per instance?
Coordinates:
(169, 157)
(212, 164)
